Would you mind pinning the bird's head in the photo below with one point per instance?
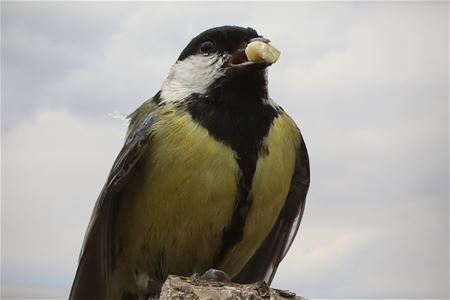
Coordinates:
(220, 57)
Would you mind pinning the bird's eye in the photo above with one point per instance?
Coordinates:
(207, 47)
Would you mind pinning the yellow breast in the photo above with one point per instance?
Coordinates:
(182, 196)
(180, 199)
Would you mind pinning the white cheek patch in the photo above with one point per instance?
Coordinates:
(192, 75)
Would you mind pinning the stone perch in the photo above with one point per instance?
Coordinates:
(181, 288)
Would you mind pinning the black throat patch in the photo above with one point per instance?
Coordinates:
(236, 115)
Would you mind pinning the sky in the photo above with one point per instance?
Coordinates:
(367, 83)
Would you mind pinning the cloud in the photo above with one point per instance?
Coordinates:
(333, 256)
(55, 165)
(366, 82)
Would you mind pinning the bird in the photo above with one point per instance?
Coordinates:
(211, 180)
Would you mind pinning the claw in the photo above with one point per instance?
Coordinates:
(216, 275)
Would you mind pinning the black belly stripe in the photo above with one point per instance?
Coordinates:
(243, 127)
(233, 233)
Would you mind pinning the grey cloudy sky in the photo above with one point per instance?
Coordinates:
(366, 82)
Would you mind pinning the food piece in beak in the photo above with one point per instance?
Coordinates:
(261, 52)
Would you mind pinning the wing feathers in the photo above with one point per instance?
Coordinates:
(97, 254)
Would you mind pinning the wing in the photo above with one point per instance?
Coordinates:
(264, 263)
(97, 253)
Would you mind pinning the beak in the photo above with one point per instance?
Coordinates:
(257, 52)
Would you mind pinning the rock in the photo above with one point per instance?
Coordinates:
(177, 287)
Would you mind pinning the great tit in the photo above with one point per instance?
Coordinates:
(213, 174)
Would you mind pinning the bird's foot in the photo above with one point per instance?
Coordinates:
(214, 275)
(195, 276)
